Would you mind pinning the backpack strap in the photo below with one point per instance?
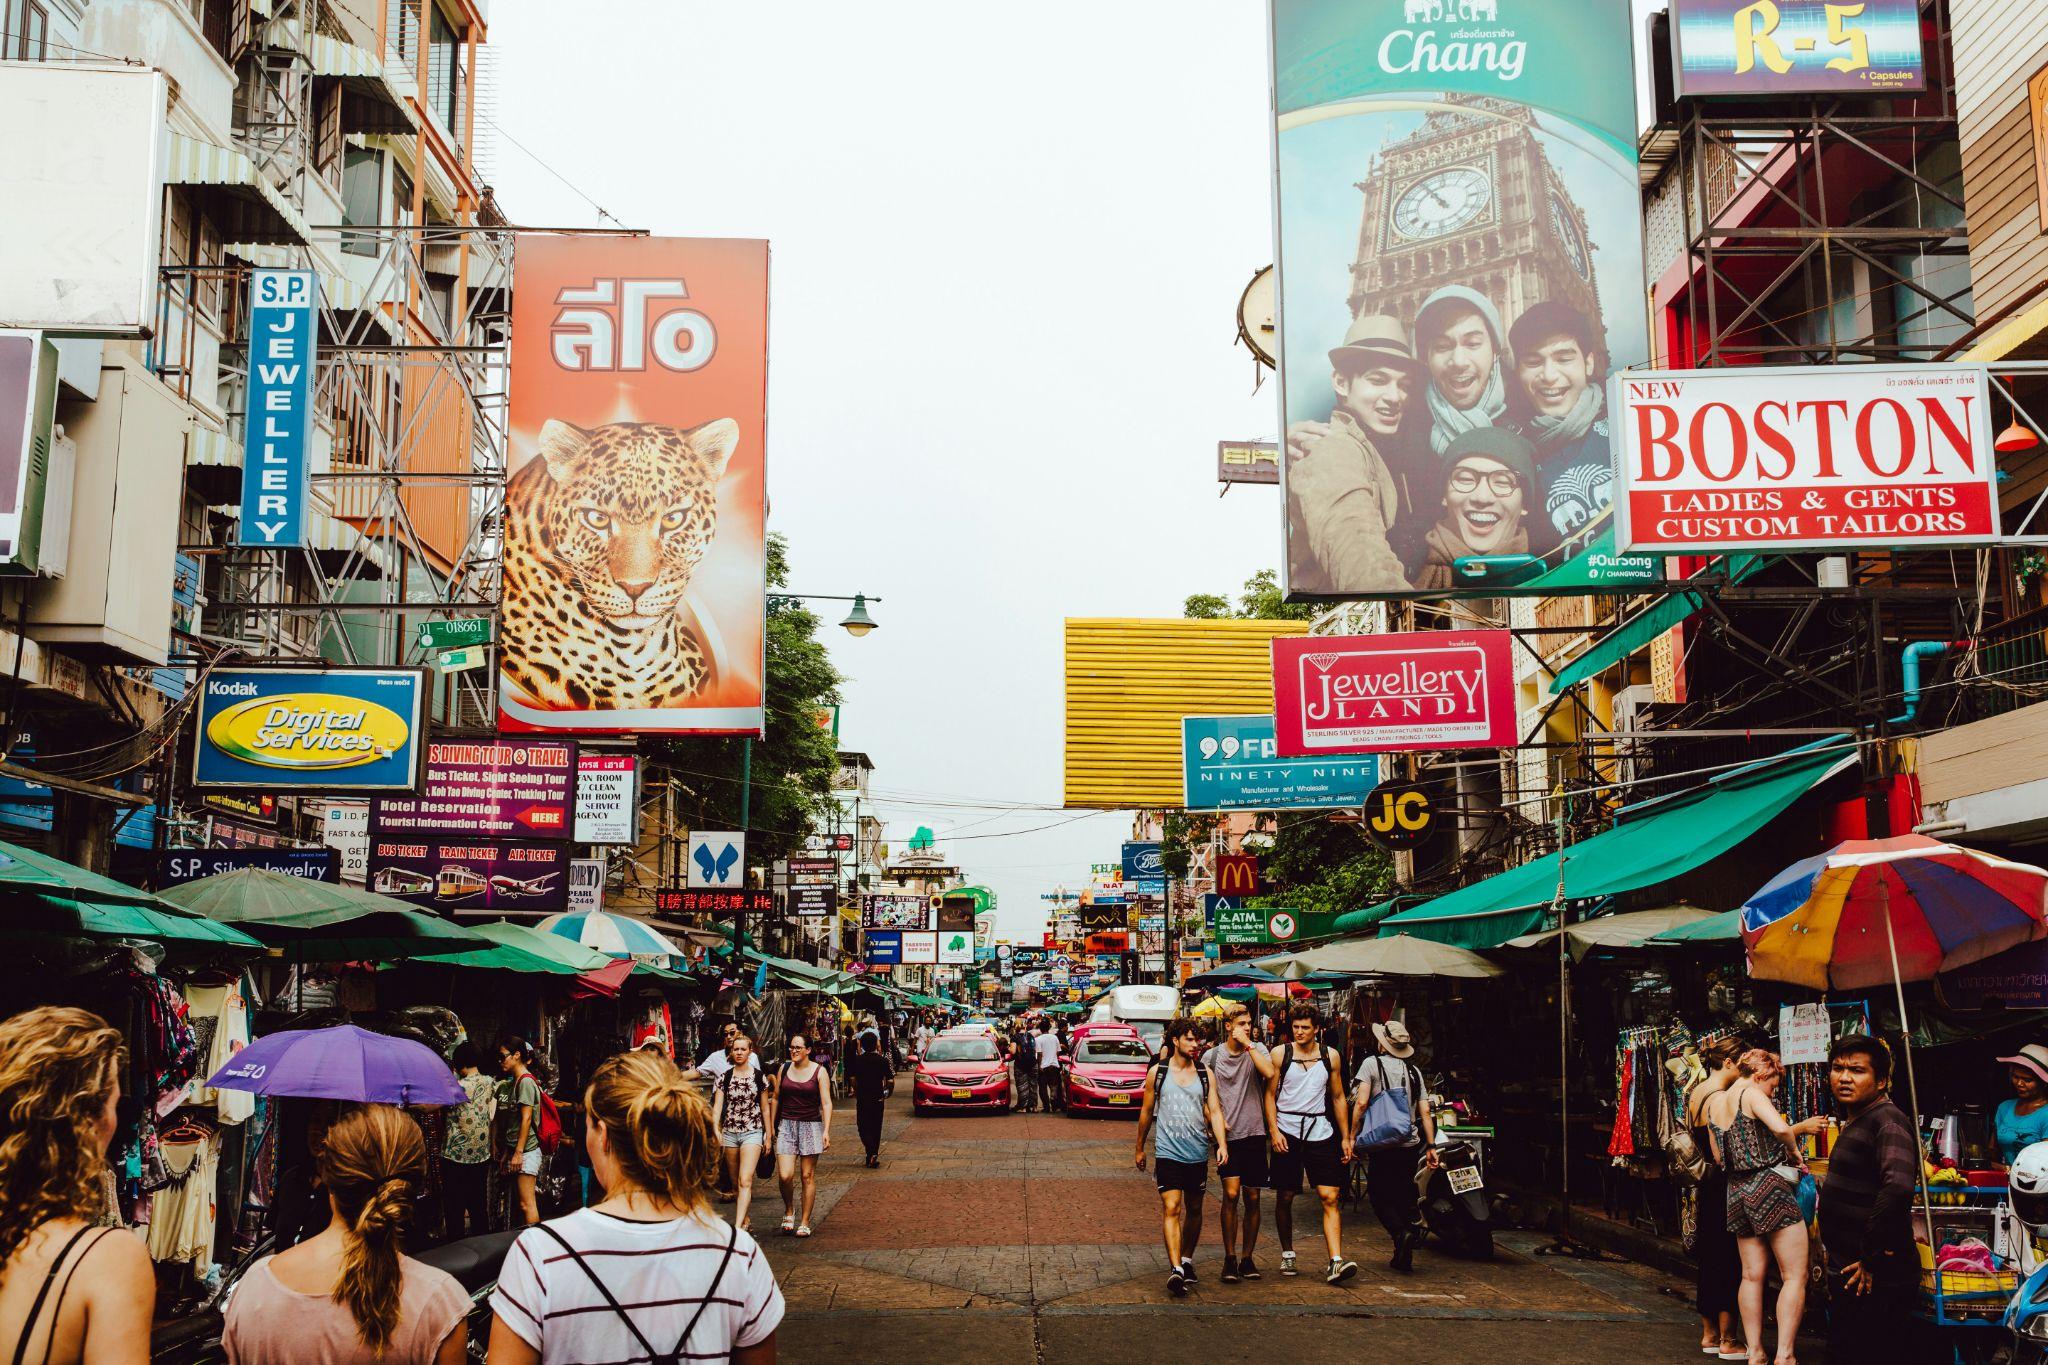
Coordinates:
(605, 1290)
(709, 1290)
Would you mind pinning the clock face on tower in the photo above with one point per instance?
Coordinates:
(1567, 229)
(1442, 202)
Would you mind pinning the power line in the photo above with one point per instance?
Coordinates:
(602, 211)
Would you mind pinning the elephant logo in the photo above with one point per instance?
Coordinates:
(1424, 11)
(1454, 11)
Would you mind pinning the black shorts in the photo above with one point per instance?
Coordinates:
(1189, 1177)
(1247, 1164)
(1321, 1162)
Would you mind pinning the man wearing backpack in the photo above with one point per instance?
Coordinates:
(1311, 1133)
(1390, 1114)
(1182, 1114)
(1241, 1068)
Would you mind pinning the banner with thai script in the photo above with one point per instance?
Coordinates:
(1422, 690)
(635, 545)
(1805, 458)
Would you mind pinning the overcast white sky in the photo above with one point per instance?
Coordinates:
(1008, 247)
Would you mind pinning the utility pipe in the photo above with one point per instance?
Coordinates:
(1909, 672)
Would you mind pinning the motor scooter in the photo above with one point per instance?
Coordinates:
(1453, 1198)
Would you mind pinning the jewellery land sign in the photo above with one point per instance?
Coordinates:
(1400, 692)
(282, 338)
(635, 512)
(1736, 47)
(471, 874)
(884, 911)
(309, 730)
(1799, 458)
(1233, 763)
(607, 798)
(492, 789)
(1460, 266)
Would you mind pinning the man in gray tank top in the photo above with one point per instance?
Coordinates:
(1182, 1115)
(1241, 1068)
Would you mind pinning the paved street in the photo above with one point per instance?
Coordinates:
(1030, 1237)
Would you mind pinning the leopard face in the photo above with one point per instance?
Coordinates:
(604, 532)
(629, 510)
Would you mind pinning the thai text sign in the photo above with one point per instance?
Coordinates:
(1249, 925)
(635, 561)
(1233, 763)
(1435, 689)
(1785, 47)
(309, 730)
(492, 789)
(471, 874)
(607, 798)
(1799, 458)
(274, 472)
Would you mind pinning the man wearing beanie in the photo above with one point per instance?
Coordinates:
(1342, 498)
(1488, 475)
(1560, 405)
(1458, 336)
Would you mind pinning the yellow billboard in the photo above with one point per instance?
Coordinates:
(1128, 684)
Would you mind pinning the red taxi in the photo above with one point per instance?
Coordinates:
(961, 1071)
(1106, 1073)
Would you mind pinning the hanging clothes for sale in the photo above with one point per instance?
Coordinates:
(654, 1028)
(221, 1012)
(182, 1212)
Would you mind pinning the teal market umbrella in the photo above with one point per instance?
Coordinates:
(321, 921)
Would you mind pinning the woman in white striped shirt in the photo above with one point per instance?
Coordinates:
(651, 1273)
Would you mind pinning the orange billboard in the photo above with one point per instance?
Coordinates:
(636, 503)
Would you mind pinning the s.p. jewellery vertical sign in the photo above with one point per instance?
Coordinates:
(282, 342)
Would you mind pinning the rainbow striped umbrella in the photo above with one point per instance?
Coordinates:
(1890, 910)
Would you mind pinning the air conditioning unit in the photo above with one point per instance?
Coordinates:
(28, 389)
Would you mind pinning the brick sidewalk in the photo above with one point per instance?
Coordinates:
(1024, 1236)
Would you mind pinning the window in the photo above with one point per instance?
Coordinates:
(444, 69)
(327, 134)
(362, 198)
(27, 37)
(960, 1050)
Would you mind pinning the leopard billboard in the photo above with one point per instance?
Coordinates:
(635, 508)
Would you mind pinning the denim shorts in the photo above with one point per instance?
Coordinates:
(752, 1136)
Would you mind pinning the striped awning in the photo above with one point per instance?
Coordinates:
(333, 57)
(339, 292)
(253, 209)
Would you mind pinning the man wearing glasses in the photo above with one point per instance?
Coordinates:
(1488, 473)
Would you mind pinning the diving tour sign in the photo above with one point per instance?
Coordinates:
(309, 730)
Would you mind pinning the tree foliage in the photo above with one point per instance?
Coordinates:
(793, 762)
(1312, 864)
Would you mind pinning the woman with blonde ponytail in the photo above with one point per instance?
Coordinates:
(651, 1272)
(349, 1295)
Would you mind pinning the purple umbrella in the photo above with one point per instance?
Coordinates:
(341, 1063)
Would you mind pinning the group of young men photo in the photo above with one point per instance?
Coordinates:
(1281, 1119)
(1472, 441)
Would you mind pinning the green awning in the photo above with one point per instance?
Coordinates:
(1722, 928)
(523, 948)
(52, 914)
(1651, 842)
(1358, 921)
(1633, 634)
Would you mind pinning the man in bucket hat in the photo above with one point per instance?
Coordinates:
(1342, 496)
(1390, 1170)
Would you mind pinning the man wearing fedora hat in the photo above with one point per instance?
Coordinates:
(1390, 1170)
(1343, 497)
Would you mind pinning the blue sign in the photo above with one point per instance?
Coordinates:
(279, 425)
(1232, 763)
(309, 729)
(1212, 903)
(883, 947)
(192, 864)
(1144, 863)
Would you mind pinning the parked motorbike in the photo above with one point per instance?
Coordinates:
(475, 1262)
(1454, 1206)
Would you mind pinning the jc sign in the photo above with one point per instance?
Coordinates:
(1399, 815)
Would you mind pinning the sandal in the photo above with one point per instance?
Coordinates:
(788, 1224)
(803, 1230)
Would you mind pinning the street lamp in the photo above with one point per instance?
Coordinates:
(857, 622)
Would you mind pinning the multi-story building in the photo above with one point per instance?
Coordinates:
(336, 136)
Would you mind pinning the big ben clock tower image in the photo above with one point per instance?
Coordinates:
(1470, 198)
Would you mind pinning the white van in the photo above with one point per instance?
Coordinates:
(1144, 1008)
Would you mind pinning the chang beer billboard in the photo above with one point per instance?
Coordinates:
(309, 730)
(1461, 267)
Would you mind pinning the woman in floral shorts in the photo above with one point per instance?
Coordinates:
(1756, 1147)
(742, 1108)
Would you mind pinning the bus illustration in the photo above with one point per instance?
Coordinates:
(399, 881)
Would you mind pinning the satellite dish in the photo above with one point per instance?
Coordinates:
(1255, 317)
